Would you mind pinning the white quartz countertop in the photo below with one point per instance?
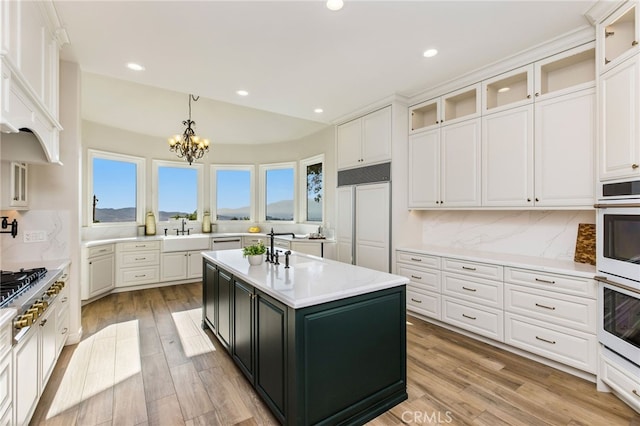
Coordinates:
(299, 238)
(512, 260)
(309, 281)
(28, 264)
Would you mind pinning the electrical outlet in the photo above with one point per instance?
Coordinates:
(35, 236)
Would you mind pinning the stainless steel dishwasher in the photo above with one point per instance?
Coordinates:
(226, 243)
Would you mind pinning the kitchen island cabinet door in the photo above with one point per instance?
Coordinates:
(271, 343)
(210, 296)
(225, 300)
(242, 338)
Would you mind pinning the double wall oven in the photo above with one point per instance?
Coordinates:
(618, 265)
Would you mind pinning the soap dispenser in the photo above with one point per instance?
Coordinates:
(150, 224)
(206, 223)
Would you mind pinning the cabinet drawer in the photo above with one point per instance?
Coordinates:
(139, 276)
(427, 279)
(567, 346)
(100, 250)
(280, 244)
(577, 286)
(478, 319)
(140, 245)
(624, 382)
(477, 290)
(569, 311)
(139, 258)
(418, 259)
(423, 302)
(474, 269)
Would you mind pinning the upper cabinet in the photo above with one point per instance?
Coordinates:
(14, 186)
(30, 40)
(508, 90)
(456, 106)
(618, 36)
(365, 140)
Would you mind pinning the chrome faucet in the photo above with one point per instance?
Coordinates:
(182, 231)
(270, 253)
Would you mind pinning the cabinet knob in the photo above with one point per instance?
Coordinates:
(528, 200)
(634, 43)
(606, 61)
(437, 202)
(537, 94)
(634, 166)
(528, 96)
(537, 200)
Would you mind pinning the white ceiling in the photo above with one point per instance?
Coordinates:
(292, 57)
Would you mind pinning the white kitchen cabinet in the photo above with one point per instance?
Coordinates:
(137, 263)
(62, 319)
(459, 105)
(365, 140)
(372, 227)
(181, 265)
(423, 290)
(6, 406)
(619, 108)
(507, 158)
(99, 272)
(14, 186)
(26, 378)
(48, 348)
(622, 376)
(565, 141)
(509, 90)
(565, 72)
(344, 225)
(314, 249)
(29, 89)
(618, 36)
(444, 166)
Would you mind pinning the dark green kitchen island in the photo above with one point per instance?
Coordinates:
(322, 342)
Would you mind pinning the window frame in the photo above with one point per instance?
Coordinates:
(304, 163)
(262, 207)
(140, 163)
(156, 164)
(213, 190)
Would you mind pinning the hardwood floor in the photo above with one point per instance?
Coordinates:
(144, 360)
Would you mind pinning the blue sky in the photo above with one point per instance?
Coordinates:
(114, 185)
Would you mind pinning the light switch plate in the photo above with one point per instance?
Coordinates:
(35, 236)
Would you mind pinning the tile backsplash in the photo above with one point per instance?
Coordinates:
(549, 234)
(53, 224)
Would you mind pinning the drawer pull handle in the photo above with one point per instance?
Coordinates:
(540, 280)
(416, 277)
(141, 276)
(468, 268)
(415, 300)
(64, 330)
(43, 322)
(468, 289)
(141, 245)
(545, 340)
(64, 299)
(635, 392)
(102, 250)
(415, 259)
(470, 317)
(141, 258)
(551, 308)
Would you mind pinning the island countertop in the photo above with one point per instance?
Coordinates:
(309, 281)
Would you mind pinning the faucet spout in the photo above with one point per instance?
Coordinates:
(270, 256)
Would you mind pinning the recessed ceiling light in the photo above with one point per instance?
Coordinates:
(318, 110)
(242, 92)
(429, 53)
(135, 67)
(503, 89)
(334, 4)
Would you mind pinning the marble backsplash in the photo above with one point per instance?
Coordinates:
(549, 234)
(55, 224)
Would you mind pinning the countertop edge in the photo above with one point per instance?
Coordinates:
(114, 240)
(557, 266)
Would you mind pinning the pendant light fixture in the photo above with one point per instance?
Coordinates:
(188, 145)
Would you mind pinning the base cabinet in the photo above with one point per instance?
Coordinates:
(99, 273)
(295, 358)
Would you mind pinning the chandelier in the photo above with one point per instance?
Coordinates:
(188, 145)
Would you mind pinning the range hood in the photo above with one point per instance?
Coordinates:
(24, 147)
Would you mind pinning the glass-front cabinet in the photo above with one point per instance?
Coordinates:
(618, 36)
(18, 185)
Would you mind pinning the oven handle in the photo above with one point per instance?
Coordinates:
(613, 206)
(615, 284)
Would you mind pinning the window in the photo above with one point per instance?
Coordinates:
(116, 188)
(311, 171)
(278, 194)
(232, 192)
(179, 188)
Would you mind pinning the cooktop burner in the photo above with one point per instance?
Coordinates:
(15, 283)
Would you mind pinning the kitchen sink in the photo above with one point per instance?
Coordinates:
(186, 242)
